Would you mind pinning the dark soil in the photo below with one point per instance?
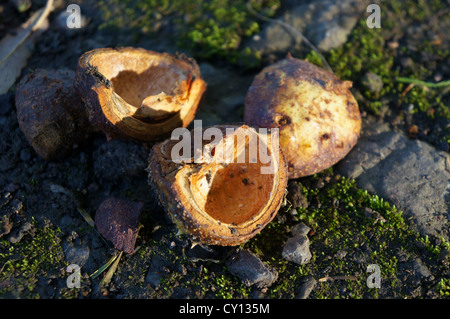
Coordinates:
(43, 230)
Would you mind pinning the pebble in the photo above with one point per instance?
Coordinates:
(12, 187)
(372, 82)
(340, 254)
(251, 270)
(297, 250)
(326, 23)
(76, 254)
(17, 234)
(300, 229)
(307, 284)
(422, 272)
(159, 267)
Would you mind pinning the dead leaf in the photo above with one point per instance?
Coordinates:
(17, 46)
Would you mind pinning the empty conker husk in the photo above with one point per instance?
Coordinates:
(133, 93)
(50, 113)
(219, 203)
(316, 113)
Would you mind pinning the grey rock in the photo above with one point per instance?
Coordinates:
(421, 270)
(307, 284)
(300, 229)
(297, 250)
(340, 254)
(12, 187)
(410, 174)
(17, 234)
(325, 23)
(251, 270)
(157, 270)
(415, 272)
(154, 279)
(372, 82)
(76, 254)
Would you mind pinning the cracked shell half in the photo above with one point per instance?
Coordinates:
(224, 189)
(133, 93)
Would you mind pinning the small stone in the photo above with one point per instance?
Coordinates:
(154, 279)
(326, 23)
(300, 229)
(18, 234)
(251, 270)
(293, 212)
(340, 254)
(307, 285)
(157, 270)
(76, 254)
(372, 82)
(444, 146)
(297, 250)
(421, 270)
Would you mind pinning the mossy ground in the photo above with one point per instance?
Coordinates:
(206, 29)
(216, 30)
(37, 257)
(344, 239)
(378, 51)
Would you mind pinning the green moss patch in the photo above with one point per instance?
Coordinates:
(350, 229)
(207, 29)
(38, 256)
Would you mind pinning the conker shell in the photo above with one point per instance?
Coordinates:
(133, 93)
(219, 203)
(50, 113)
(316, 113)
